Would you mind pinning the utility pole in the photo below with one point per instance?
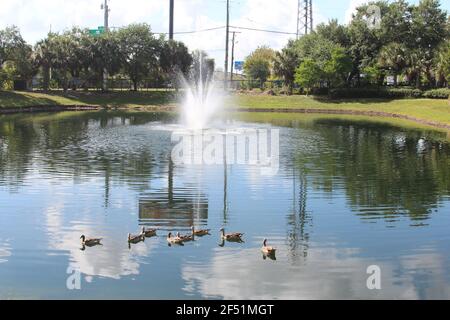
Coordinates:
(105, 7)
(171, 19)
(225, 78)
(232, 56)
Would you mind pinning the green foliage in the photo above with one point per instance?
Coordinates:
(442, 93)
(338, 68)
(348, 93)
(138, 50)
(442, 63)
(405, 44)
(308, 74)
(393, 59)
(75, 57)
(259, 64)
(285, 63)
(15, 57)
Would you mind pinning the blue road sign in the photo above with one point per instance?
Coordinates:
(238, 65)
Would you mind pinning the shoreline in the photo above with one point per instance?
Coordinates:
(171, 108)
(374, 114)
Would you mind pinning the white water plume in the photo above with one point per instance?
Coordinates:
(202, 99)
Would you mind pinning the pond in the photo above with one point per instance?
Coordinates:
(346, 195)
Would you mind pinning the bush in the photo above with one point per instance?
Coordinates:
(320, 91)
(443, 93)
(388, 93)
(375, 93)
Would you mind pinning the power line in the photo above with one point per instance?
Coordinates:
(223, 27)
(263, 30)
(193, 31)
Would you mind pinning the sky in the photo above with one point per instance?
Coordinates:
(36, 18)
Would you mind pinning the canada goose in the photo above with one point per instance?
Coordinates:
(200, 233)
(234, 237)
(148, 232)
(185, 238)
(267, 249)
(174, 240)
(135, 238)
(90, 242)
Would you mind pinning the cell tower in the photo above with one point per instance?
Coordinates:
(304, 17)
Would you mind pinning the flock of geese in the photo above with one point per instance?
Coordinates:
(179, 239)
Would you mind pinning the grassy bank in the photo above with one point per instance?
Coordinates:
(426, 110)
(10, 99)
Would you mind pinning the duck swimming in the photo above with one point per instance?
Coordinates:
(234, 237)
(90, 242)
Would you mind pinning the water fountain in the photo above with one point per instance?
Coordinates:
(202, 99)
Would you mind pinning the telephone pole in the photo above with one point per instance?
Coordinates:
(171, 19)
(232, 55)
(105, 7)
(225, 78)
(232, 58)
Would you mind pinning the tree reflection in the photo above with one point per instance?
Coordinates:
(385, 172)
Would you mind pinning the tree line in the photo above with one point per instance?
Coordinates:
(411, 44)
(76, 57)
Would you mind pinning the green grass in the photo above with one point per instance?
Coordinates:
(129, 99)
(427, 109)
(286, 119)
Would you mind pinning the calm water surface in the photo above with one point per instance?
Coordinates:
(347, 195)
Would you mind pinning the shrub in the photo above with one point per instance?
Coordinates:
(443, 93)
(350, 93)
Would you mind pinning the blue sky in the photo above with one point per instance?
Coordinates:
(36, 17)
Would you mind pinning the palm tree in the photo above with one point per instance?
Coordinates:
(285, 64)
(43, 58)
(413, 67)
(393, 57)
(442, 64)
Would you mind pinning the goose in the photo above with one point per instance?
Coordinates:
(90, 242)
(267, 250)
(135, 238)
(148, 232)
(200, 233)
(185, 238)
(236, 236)
(174, 240)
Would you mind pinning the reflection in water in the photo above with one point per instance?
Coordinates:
(330, 274)
(384, 173)
(348, 195)
(299, 220)
(5, 251)
(111, 260)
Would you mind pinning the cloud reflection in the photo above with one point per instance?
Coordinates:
(112, 260)
(5, 252)
(329, 273)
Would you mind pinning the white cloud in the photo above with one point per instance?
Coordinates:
(352, 9)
